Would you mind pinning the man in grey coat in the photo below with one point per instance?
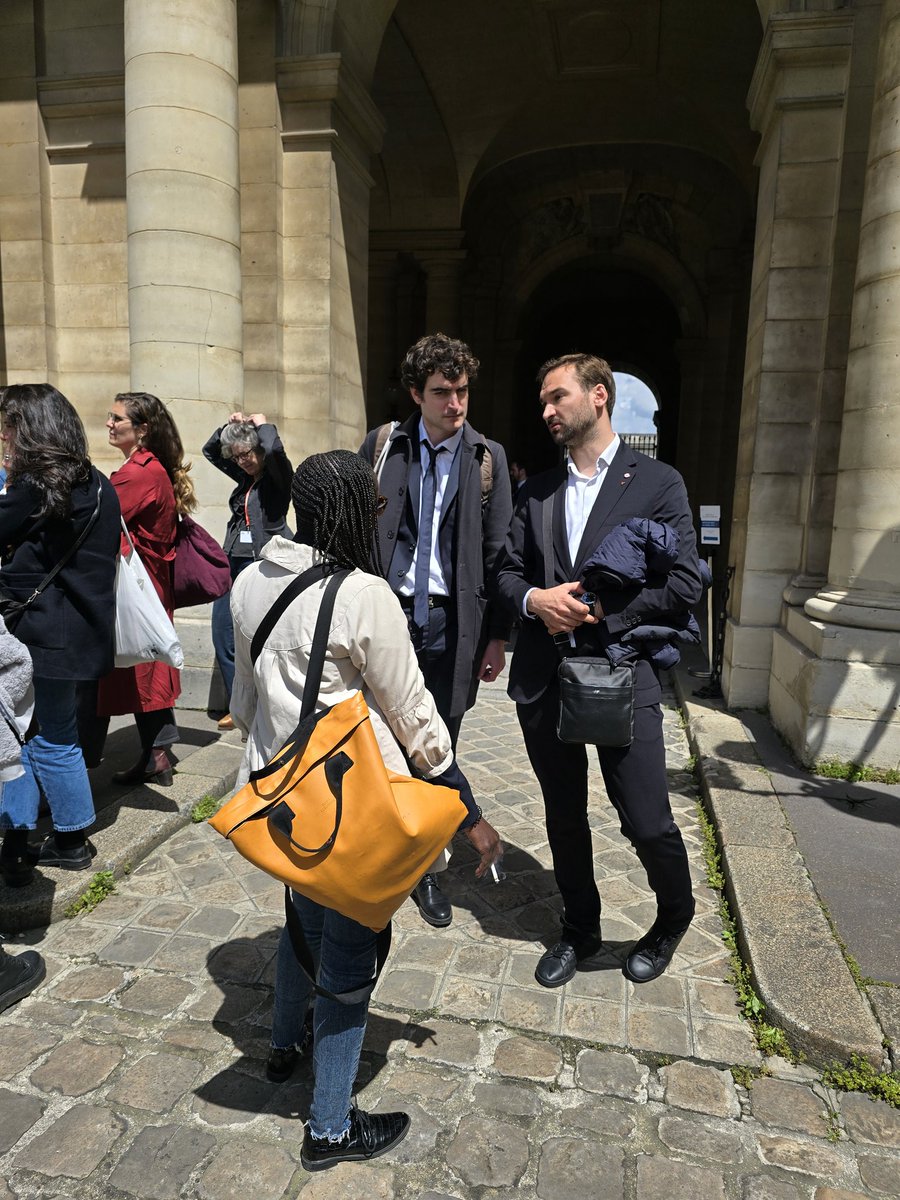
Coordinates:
(448, 506)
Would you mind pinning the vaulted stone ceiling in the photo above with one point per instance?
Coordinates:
(468, 87)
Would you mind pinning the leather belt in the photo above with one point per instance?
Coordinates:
(433, 601)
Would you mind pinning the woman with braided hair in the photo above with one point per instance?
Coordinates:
(368, 649)
(154, 488)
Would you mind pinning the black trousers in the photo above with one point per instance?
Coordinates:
(635, 779)
(436, 655)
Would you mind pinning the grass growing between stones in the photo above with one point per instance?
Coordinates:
(833, 768)
(205, 808)
(861, 1076)
(769, 1038)
(97, 890)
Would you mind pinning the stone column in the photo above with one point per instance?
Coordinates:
(382, 392)
(330, 127)
(443, 271)
(25, 356)
(851, 669)
(692, 353)
(797, 102)
(182, 191)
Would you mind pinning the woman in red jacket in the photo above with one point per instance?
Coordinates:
(154, 489)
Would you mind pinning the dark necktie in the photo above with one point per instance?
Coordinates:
(423, 545)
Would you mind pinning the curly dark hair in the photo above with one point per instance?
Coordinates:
(437, 353)
(335, 497)
(50, 449)
(162, 439)
(589, 371)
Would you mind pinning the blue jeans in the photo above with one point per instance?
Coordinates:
(53, 760)
(223, 629)
(344, 953)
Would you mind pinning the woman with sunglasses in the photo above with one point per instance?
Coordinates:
(249, 451)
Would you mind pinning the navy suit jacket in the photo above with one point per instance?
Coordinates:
(634, 486)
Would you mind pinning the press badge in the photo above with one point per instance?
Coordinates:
(246, 536)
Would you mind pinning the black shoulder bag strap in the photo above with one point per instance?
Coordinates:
(48, 579)
(299, 944)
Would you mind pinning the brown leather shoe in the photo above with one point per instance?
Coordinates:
(226, 724)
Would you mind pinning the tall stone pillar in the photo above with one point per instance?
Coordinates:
(692, 354)
(443, 272)
(183, 206)
(25, 356)
(330, 128)
(846, 684)
(797, 103)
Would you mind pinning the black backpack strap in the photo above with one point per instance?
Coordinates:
(307, 965)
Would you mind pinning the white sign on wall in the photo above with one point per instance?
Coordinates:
(710, 524)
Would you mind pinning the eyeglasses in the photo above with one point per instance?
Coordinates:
(244, 454)
(380, 505)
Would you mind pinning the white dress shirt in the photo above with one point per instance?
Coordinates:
(437, 584)
(581, 496)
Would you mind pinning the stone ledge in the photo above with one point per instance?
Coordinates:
(127, 830)
(798, 968)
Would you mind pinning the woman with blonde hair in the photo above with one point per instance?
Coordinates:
(154, 489)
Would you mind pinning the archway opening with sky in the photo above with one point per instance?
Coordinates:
(635, 405)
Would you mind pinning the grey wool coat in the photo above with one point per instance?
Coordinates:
(473, 531)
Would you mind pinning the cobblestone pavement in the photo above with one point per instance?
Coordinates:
(137, 1069)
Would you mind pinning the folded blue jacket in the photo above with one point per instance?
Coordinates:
(626, 557)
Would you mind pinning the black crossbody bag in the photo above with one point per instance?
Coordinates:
(596, 699)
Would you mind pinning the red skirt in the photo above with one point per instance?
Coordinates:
(144, 688)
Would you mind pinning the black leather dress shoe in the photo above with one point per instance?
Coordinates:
(369, 1135)
(559, 964)
(432, 903)
(651, 955)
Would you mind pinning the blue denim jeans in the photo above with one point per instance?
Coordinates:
(223, 629)
(53, 764)
(344, 953)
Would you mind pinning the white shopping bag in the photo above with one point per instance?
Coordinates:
(144, 632)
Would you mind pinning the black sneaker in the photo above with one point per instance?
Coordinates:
(651, 954)
(369, 1136)
(19, 975)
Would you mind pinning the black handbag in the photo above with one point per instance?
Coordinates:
(596, 702)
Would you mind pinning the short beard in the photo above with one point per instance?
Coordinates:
(575, 434)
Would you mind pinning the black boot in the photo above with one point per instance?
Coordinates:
(16, 867)
(19, 975)
(69, 850)
(153, 768)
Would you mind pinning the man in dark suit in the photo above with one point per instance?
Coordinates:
(574, 506)
(442, 565)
